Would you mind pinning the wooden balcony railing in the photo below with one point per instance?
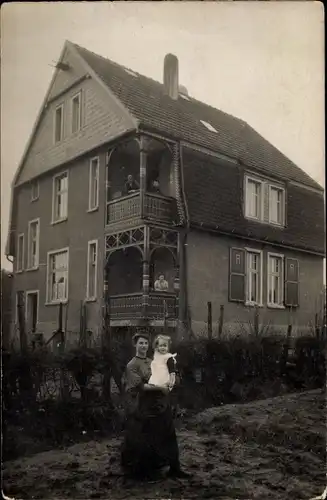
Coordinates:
(130, 306)
(127, 207)
(156, 207)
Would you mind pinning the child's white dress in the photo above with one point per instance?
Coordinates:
(159, 368)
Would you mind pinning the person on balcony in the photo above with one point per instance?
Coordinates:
(150, 441)
(131, 185)
(161, 284)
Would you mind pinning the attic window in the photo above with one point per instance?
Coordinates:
(130, 72)
(186, 97)
(209, 126)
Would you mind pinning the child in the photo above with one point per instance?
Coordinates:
(163, 366)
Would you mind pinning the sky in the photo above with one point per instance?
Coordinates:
(260, 61)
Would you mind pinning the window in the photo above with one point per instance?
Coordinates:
(254, 198)
(264, 201)
(76, 113)
(245, 276)
(275, 280)
(92, 256)
(254, 277)
(33, 244)
(34, 190)
(60, 197)
(57, 276)
(59, 123)
(94, 184)
(276, 205)
(20, 253)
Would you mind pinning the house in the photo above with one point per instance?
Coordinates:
(125, 179)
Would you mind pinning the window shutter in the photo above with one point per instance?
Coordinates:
(237, 274)
(291, 282)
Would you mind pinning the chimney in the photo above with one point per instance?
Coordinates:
(171, 76)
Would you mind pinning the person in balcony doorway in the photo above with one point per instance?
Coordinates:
(161, 284)
(150, 441)
(131, 185)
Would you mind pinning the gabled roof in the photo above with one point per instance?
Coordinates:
(183, 119)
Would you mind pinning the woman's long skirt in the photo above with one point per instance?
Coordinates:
(150, 438)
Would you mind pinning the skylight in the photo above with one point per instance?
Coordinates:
(186, 97)
(130, 72)
(209, 126)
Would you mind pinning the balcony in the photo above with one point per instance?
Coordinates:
(128, 208)
(161, 306)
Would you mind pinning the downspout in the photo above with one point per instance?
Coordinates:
(184, 313)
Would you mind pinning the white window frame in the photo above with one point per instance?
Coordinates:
(31, 292)
(96, 206)
(282, 190)
(49, 255)
(55, 195)
(88, 297)
(33, 184)
(248, 179)
(282, 258)
(55, 141)
(79, 96)
(18, 269)
(29, 267)
(247, 301)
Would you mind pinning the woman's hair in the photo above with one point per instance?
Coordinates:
(139, 335)
(161, 337)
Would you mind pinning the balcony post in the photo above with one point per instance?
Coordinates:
(143, 172)
(146, 272)
(176, 289)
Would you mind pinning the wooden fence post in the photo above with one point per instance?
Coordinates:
(256, 321)
(317, 326)
(221, 321)
(209, 320)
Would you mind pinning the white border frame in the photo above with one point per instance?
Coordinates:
(89, 243)
(37, 183)
(28, 268)
(97, 158)
(31, 292)
(260, 252)
(248, 178)
(62, 219)
(279, 188)
(62, 123)
(23, 252)
(56, 302)
(282, 257)
(79, 95)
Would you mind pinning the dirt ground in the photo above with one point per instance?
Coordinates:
(271, 449)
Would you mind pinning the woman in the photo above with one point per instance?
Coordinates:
(150, 438)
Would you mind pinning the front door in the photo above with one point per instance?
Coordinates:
(31, 311)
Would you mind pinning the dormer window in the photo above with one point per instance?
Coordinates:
(276, 205)
(209, 126)
(59, 123)
(264, 201)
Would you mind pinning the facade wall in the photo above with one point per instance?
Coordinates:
(208, 280)
(75, 232)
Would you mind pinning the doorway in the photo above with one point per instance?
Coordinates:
(32, 303)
